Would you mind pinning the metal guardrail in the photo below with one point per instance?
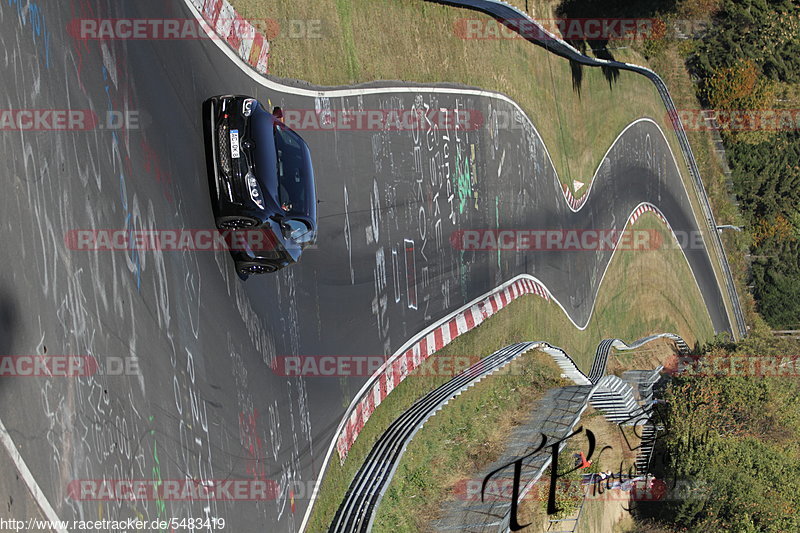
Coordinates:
(513, 18)
(604, 348)
(357, 511)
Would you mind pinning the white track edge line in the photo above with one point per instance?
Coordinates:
(27, 477)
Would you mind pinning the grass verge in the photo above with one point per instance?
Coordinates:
(466, 435)
(670, 65)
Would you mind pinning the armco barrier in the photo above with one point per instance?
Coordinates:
(357, 511)
(607, 392)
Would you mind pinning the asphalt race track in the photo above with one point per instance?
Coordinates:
(206, 404)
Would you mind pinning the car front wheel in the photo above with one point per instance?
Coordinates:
(250, 268)
(236, 222)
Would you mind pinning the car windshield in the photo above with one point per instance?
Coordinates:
(293, 179)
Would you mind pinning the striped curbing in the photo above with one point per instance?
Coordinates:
(249, 44)
(397, 369)
(574, 203)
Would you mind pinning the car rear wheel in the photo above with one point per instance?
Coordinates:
(250, 268)
(236, 222)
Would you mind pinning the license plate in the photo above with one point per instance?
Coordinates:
(235, 144)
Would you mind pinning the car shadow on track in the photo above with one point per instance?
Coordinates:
(8, 323)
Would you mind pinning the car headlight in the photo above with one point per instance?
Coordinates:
(248, 106)
(255, 190)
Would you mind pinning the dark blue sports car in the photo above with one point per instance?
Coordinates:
(261, 179)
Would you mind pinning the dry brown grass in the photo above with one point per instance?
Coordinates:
(466, 435)
(599, 515)
(649, 356)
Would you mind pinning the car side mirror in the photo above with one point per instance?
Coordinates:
(277, 112)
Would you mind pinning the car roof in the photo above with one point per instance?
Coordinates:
(308, 210)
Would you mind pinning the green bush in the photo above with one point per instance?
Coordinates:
(735, 439)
